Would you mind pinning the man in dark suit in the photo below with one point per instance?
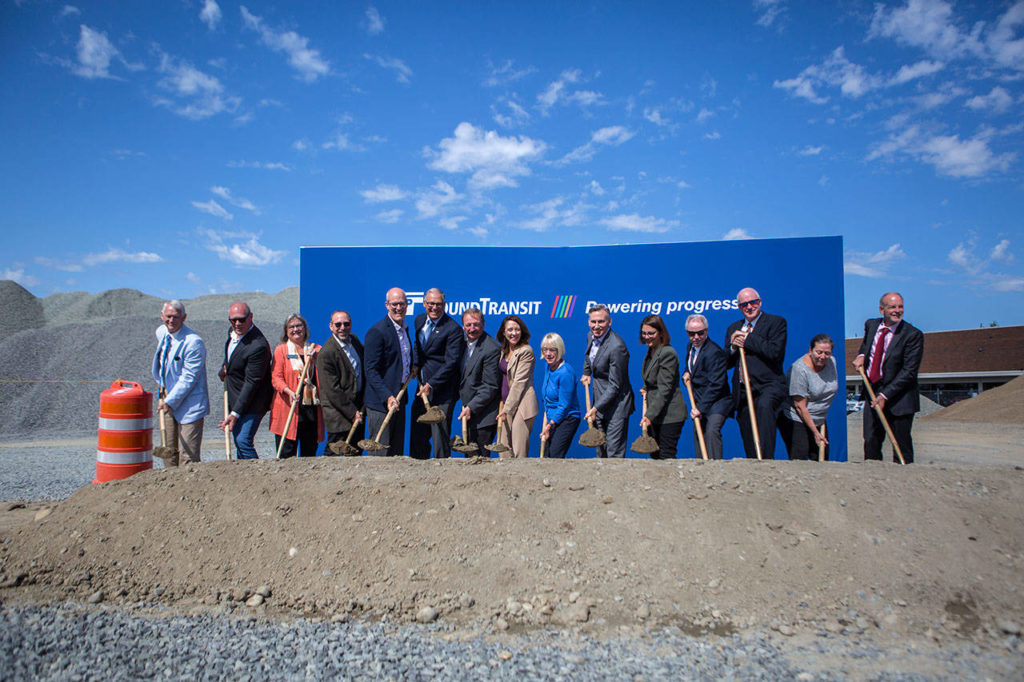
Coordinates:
(705, 368)
(437, 351)
(388, 364)
(480, 385)
(764, 338)
(891, 353)
(339, 372)
(606, 368)
(246, 374)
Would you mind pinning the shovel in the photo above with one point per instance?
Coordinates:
(460, 444)
(592, 437)
(295, 403)
(227, 433)
(543, 440)
(881, 416)
(645, 445)
(497, 445)
(750, 402)
(375, 445)
(696, 422)
(821, 446)
(163, 452)
(345, 447)
(433, 415)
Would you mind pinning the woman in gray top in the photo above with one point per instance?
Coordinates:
(813, 382)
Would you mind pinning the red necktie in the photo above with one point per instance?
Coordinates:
(875, 374)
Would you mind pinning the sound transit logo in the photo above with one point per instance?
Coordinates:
(563, 306)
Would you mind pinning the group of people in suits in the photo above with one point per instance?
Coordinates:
(486, 382)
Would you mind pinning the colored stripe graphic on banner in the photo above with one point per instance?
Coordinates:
(563, 306)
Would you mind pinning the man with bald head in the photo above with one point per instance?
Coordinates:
(763, 338)
(388, 363)
(891, 355)
(246, 375)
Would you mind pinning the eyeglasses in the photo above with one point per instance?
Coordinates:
(699, 332)
(238, 320)
(752, 302)
(648, 335)
(296, 326)
(398, 304)
(548, 350)
(341, 324)
(433, 304)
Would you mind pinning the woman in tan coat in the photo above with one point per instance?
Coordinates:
(516, 364)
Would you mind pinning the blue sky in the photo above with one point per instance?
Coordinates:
(191, 147)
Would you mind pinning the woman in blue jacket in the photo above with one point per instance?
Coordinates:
(561, 405)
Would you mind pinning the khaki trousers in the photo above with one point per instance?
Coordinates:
(189, 436)
(517, 436)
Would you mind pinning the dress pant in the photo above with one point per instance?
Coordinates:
(874, 434)
(667, 436)
(427, 438)
(393, 436)
(244, 432)
(767, 403)
(562, 436)
(184, 440)
(305, 444)
(517, 436)
(711, 427)
(614, 436)
(799, 440)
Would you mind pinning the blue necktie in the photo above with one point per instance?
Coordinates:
(427, 329)
(163, 361)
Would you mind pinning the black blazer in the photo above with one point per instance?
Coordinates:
(480, 387)
(336, 380)
(899, 370)
(382, 364)
(247, 374)
(766, 350)
(709, 378)
(440, 358)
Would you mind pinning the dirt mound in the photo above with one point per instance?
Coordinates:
(21, 310)
(1001, 405)
(508, 543)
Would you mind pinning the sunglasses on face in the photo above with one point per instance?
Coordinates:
(341, 324)
(238, 320)
(699, 332)
(752, 302)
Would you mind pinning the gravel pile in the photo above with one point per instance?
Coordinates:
(70, 642)
(21, 310)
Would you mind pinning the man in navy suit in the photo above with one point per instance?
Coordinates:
(606, 369)
(706, 371)
(764, 338)
(388, 363)
(480, 382)
(437, 350)
(246, 374)
(891, 354)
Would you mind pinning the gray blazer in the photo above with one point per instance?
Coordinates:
(480, 388)
(661, 379)
(613, 396)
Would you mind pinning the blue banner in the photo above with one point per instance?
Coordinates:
(551, 289)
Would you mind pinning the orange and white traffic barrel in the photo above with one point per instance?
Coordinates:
(125, 437)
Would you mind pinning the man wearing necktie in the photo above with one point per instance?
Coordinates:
(891, 352)
(179, 368)
(389, 362)
(763, 336)
(706, 371)
(339, 373)
(479, 381)
(437, 351)
(606, 370)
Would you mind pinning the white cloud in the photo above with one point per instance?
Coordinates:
(506, 73)
(241, 248)
(391, 216)
(736, 233)
(214, 209)
(69, 10)
(340, 142)
(18, 274)
(210, 14)
(713, 135)
(962, 256)
(113, 255)
(872, 264)
(301, 57)
(557, 92)
(225, 194)
(493, 160)
(301, 145)
(478, 231)
(997, 101)
(431, 202)
(402, 72)
(836, 71)
(193, 278)
(1001, 252)
(549, 213)
(66, 266)
(971, 158)
(926, 24)
(823, 180)
(516, 115)
(909, 72)
(768, 11)
(654, 116)
(810, 151)
(95, 52)
(595, 188)
(451, 222)
(1006, 283)
(382, 193)
(611, 136)
(704, 114)
(374, 22)
(198, 95)
(265, 165)
(636, 223)
(1004, 46)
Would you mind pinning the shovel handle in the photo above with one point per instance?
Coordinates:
(821, 446)
(501, 420)
(643, 429)
(750, 402)
(426, 403)
(696, 422)
(227, 433)
(881, 415)
(295, 403)
(543, 440)
(352, 430)
(586, 396)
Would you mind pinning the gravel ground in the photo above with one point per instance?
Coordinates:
(74, 642)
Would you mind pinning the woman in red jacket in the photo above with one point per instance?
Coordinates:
(306, 429)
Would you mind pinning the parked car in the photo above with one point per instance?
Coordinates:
(854, 405)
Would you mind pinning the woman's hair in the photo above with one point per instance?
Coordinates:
(287, 321)
(822, 338)
(553, 340)
(524, 337)
(664, 338)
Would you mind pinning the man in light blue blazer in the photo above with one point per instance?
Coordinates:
(179, 368)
